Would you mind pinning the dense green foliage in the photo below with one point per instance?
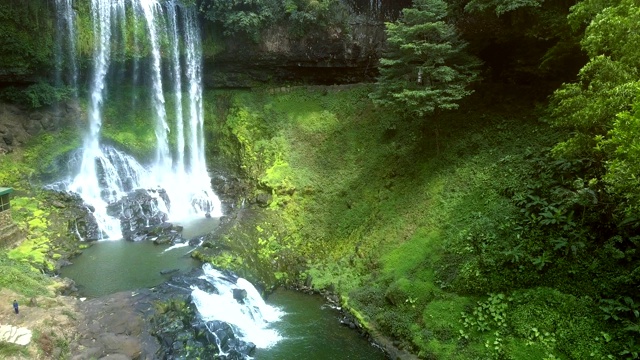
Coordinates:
(18, 276)
(36, 95)
(45, 229)
(251, 17)
(413, 236)
(26, 36)
(425, 68)
(451, 231)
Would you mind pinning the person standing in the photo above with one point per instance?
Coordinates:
(15, 306)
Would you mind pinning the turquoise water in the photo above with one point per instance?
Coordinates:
(111, 266)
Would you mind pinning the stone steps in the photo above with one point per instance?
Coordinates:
(9, 235)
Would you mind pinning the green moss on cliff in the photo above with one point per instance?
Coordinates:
(26, 37)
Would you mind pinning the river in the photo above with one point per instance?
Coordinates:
(309, 329)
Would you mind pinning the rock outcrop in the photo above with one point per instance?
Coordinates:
(140, 213)
(327, 57)
(9, 231)
(18, 124)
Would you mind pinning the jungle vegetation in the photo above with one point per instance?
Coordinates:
(480, 201)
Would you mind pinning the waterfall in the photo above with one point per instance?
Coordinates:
(106, 175)
(86, 181)
(66, 46)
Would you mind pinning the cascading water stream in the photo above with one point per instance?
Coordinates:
(250, 317)
(172, 169)
(177, 85)
(86, 181)
(151, 9)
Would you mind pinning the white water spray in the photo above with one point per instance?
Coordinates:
(250, 320)
(86, 182)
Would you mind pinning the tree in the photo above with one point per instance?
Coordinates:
(623, 168)
(607, 85)
(425, 67)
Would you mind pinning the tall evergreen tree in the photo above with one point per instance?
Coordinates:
(425, 67)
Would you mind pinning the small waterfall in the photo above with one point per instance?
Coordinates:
(105, 175)
(177, 85)
(250, 318)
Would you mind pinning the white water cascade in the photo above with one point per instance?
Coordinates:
(250, 320)
(179, 168)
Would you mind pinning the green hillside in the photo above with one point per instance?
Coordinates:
(432, 231)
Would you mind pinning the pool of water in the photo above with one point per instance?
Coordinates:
(108, 267)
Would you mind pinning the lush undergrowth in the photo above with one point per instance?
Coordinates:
(442, 234)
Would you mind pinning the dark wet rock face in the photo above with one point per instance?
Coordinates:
(240, 295)
(141, 215)
(165, 233)
(221, 333)
(327, 56)
(231, 190)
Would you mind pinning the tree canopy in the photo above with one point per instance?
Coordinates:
(250, 17)
(425, 67)
(599, 108)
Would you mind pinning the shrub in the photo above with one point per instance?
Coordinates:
(37, 95)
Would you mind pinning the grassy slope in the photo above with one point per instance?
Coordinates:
(397, 216)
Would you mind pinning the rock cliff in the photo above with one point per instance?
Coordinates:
(325, 57)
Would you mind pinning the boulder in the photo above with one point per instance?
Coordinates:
(240, 295)
(219, 331)
(141, 214)
(81, 221)
(264, 199)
